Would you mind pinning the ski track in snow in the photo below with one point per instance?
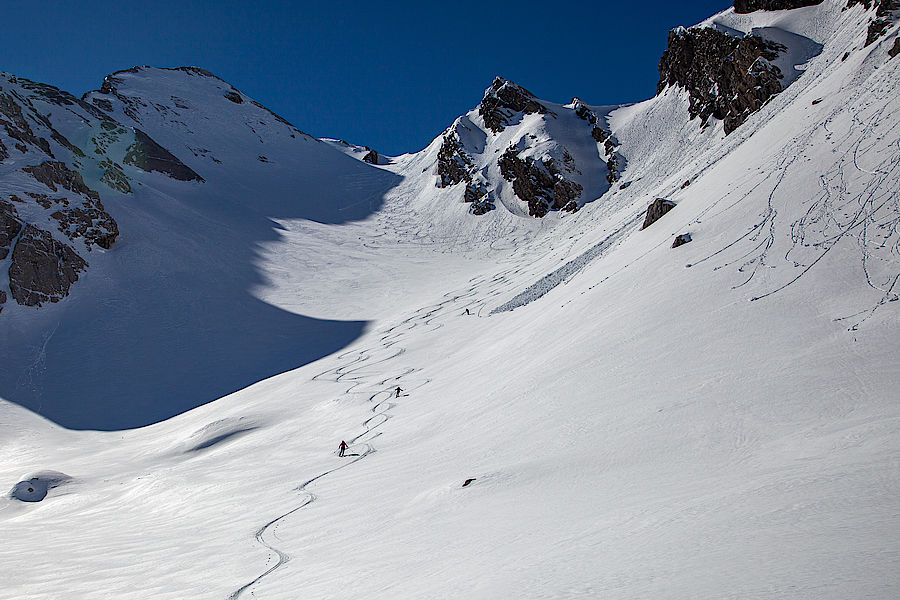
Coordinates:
(359, 366)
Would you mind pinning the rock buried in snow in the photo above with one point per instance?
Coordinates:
(656, 210)
(895, 49)
(468, 481)
(681, 240)
(36, 488)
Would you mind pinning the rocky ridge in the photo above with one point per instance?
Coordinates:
(748, 6)
(505, 152)
(885, 15)
(503, 100)
(728, 78)
(50, 218)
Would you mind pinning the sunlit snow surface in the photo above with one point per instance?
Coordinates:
(713, 421)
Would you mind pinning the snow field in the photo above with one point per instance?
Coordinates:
(641, 429)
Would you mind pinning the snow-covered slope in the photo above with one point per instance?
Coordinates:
(181, 274)
(716, 420)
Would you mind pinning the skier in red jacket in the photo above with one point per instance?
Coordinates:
(342, 448)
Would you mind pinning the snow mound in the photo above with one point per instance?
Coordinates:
(218, 432)
(36, 488)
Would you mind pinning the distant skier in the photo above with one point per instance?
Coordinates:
(398, 392)
(467, 312)
(342, 448)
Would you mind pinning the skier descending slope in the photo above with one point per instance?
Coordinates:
(342, 448)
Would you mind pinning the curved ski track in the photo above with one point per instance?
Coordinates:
(366, 366)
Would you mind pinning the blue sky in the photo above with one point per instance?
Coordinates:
(387, 75)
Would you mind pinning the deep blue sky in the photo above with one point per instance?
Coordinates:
(391, 75)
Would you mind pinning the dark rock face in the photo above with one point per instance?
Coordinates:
(42, 268)
(371, 157)
(895, 49)
(147, 155)
(94, 224)
(502, 100)
(453, 164)
(681, 240)
(4, 153)
(539, 183)
(601, 136)
(882, 19)
(103, 104)
(10, 226)
(478, 195)
(748, 6)
(90, 220)
(727, 78)
(53, 173)
(13, 120)
(656, 210)
(234, 97)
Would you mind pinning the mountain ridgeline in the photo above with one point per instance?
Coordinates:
(65, 160)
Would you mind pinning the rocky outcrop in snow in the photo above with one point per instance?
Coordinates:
(748, 6)
(681, 240)
(503, 100)
(43, 269)
(147, 155)
(881, 21)
(553, 162)
(18, 129)
(453, 164)
(656, 210)
(727, 78)
(89, 220)
(540, 183)
(895, 49)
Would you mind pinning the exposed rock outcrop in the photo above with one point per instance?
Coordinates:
(10, 226)
(453, 165)
(503, 100)
(895, 49)
(478, 195)
(53, 172)
(13, 120)
(234, 97)
(147, 155)
(92, 223)
(89, 220)
(884, 16)
(728, 78)
(681, 240)
(371, 157)
(601, 136)
(540, 183)
(656, 210)
(42, 268)
(748, 6)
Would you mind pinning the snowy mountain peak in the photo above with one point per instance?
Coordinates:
(502, 100)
